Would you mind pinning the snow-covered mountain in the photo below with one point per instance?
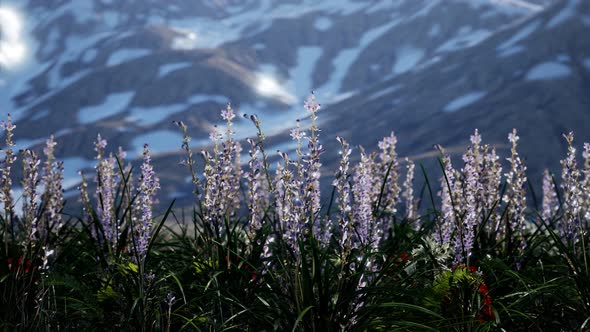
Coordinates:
(533, 75)
(126, 69)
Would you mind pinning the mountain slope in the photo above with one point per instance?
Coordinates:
(127, 69)
(534, 76)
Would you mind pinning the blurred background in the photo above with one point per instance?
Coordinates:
(430, 70)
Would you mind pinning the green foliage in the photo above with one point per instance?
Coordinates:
(215, 271)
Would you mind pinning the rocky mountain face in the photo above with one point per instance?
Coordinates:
(532, 76)
(432, 70)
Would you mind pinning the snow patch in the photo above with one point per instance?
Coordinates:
(186, 41)
(511, 51)
(112, 105)
(268, 86)
(346, 58)
(564, 14)
(197, 99)
(126, 54)
(40, 114)
(150, 116)
(22, 144)
(288, 147)
(344, 7)
(464, 39)
(548, 71)
(384, 92)
(301, 77)
(274, 121)
(208, 33)
(426, 9)
(72, 165)
(215, 32)
(407, 57)
(170, 67)
(381, 5)
(464, 101)
(90, 55)
(519, 4)
(75, 48)
(519, 36)
(322, 23)
(159, 141)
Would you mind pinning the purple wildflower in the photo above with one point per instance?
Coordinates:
(305, 184)
(148, 187)
(311, 105)
(30, 196)
(408, 194)
(447, 221)
(211, 192)
(215, 135)
(550, 204)
(258, 199)
(222, 176)
(105, 192)
(230, 166)
(388, 157)
(466, 230)
(572, 195)
(297, 133)
(5, 170)
(491, 182)
(228, 114)
(121, 154)
(343, 189)
(298, 194)
(585, 185)
(288, 204)
(52, 181)
(363, 194)
(311, 169)
(515, 195)
(99, 145)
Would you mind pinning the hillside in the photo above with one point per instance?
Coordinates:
(127, 70)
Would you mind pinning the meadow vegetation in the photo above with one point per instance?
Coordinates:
(263, 250)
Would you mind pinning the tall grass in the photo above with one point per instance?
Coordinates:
(263, 249)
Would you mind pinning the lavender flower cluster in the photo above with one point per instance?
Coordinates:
(116, 192)
(472, 197)
(289, 201)
(40, 217)
(369, 195)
